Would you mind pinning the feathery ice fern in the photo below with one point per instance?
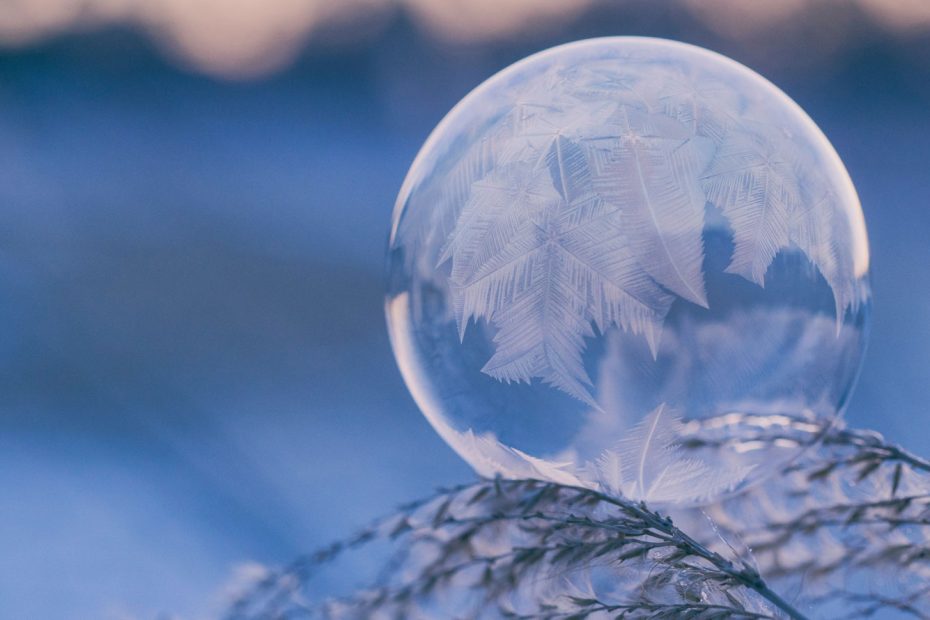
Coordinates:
(649, 465)
(582, 207)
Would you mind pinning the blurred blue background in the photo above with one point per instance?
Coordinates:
(194, 201)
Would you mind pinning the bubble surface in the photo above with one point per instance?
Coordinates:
(629, 264)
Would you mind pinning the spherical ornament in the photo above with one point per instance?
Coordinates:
(629, 264)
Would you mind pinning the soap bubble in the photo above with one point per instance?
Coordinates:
(628, 264)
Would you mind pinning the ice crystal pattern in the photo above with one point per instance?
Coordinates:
(583, 208)
(647, 465)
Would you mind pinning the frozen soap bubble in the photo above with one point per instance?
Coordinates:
(629, 264)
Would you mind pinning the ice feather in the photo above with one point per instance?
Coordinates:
(649, 465)
(773, 201)
(650, 171)
(543, 257)
(753, 184)
(609, 472)
(491, 458)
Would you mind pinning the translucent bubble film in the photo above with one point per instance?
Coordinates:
(618, 254)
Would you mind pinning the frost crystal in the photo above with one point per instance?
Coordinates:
(623, 226)
(593, 214)
(648, 465)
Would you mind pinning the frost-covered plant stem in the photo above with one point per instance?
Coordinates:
(853, 510)
(663, 529)
(632, 532)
